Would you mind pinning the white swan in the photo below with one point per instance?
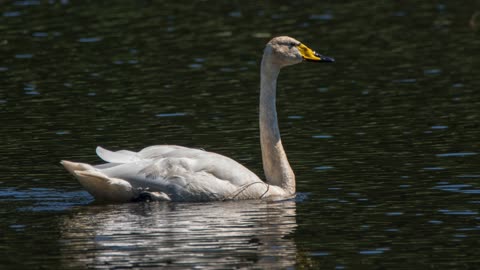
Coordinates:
(176, 173)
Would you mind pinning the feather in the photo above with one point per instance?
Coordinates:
(120, 157)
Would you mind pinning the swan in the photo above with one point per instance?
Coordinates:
(176, 173)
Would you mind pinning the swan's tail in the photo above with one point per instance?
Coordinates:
(102, 187)
(76, 166)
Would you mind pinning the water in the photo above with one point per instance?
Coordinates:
(384, 143)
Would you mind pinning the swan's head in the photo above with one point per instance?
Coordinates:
(285, 51)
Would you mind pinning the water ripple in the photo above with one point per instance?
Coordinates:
(45, 199)
(90, 39)
(439, 127)
(324, 136)
(459, 154)
(322, 17)
(374, 251)
(461, 188)
(458, 212)
(24, 56)
(27, 3)
(176, 114)
(323, 168)
(12, 14)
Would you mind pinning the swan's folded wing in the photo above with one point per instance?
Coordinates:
(183, 179)
(209, 177)
(198, 160)
(122, 156)
(162, 151)
(172, 176)
(226, 168)
(182, 173)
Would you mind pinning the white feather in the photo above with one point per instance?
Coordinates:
(122, 156)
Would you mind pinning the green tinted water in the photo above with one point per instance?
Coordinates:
(384, 142)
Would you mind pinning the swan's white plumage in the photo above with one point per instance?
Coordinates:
(182, 174)
(122, 156)
(176, 173)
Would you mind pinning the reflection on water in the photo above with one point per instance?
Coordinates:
(207, 235)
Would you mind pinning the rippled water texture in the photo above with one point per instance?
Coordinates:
(385, 143)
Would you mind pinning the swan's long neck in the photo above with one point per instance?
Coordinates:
(275, 163)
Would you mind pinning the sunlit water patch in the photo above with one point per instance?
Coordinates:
(458, 212)
(90, 39)
(322, 136)
(174, 114)
(462, 188)
(459, 154)
(375, 251)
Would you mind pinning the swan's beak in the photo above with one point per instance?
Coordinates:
(310, 55)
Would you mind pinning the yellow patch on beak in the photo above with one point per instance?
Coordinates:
(307, 53)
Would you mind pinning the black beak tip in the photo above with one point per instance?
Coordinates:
(327, 59)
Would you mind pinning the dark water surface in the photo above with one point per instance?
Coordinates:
(385, 143)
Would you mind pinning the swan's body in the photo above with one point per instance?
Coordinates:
(176, 173)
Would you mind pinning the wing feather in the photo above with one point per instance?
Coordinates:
(122, 156)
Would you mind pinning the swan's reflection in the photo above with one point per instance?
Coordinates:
(214, 235)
